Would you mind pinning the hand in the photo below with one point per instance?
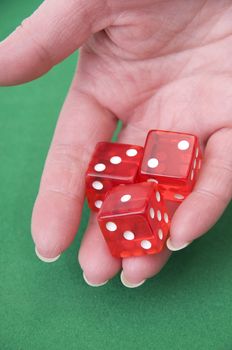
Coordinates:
(152, 64)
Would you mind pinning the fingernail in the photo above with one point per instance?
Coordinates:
(47, 260)
(175, 248)
(93, 284)
(129, 284)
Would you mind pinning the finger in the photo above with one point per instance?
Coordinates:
(97, 263)
(57, 211)
(137, 269)
(213, 191)
(51, 34)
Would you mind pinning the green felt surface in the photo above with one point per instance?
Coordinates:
(187, 306)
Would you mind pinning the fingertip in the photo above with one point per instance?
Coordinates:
(129, 284)
(92, 284)
(175, 247)
(95, 258)
(46, 259)
(137, 269)
(53, 228)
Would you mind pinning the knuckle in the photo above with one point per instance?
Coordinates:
(39, 47)
(65, 169)
(218, 196)
(69, 155)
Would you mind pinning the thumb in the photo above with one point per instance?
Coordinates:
(53, 32)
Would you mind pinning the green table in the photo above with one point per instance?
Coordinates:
(187, 306)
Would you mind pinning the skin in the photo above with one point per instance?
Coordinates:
(152, 64)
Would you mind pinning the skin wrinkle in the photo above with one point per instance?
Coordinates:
(153, 90)
(203, 42)
(162, 96)
(218, 16)
(39, 47)
(69, 154)
(65, 194)
(181, 31)
(59, 36)
(107, 118)
(218, 198)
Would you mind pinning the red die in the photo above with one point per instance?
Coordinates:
(173, 160)
(112, 164)
(133, 220)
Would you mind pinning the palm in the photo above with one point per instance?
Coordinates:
(172, 81)
(159, 65)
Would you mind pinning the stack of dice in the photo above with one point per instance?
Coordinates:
(131, 188)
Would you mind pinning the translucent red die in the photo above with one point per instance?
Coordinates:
(112, 164)
(133, 220)
(173, 160)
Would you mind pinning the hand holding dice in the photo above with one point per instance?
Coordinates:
(131, 186)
